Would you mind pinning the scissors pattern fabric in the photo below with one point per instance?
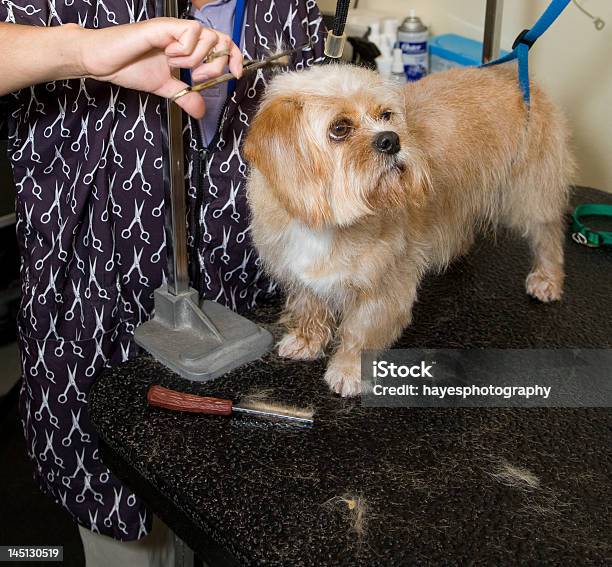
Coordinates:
(87, 163)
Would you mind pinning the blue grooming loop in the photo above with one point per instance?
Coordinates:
(524, 41)
(236, 37)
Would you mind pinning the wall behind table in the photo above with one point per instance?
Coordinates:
(572, 60)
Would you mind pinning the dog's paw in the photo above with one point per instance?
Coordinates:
(299, 348)
(344, 379)
(544, 287)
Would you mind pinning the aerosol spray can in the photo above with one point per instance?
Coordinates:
(412, 36)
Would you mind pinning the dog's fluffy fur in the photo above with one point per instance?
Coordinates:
(350, 230)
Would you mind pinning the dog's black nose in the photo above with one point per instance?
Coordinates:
(387, 142)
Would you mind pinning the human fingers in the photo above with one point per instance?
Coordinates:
(182, 36)
(207, 41)
(191, 103)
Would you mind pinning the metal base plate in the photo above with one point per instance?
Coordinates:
(200, 342)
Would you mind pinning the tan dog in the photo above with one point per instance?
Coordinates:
(358, 187)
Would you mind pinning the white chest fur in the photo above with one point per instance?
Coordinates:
(306, 256)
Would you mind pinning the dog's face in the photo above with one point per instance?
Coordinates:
(333, 145)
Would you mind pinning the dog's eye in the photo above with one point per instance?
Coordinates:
(340, 130)
(386, 115)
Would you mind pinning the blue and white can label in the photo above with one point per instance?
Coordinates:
(415, 55)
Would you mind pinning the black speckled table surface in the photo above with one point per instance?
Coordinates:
(433, 484)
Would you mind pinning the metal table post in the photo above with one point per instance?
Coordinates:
(492, 30)
(197, 341)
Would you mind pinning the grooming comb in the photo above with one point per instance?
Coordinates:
(161, 397)
(247, 67)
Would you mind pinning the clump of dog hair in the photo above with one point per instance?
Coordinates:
(354, 508)
(516, 477)
(279, 47)
(283, 61)
(258, 395)
(538, 499)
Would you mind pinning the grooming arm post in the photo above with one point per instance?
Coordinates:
(199, 342)
(176, 227)
(336, 38)
(492, 30)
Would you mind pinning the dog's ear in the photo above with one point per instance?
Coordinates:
(272, 136)
(278, 146)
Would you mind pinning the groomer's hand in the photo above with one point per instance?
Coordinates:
(140, 56)
(137, 56)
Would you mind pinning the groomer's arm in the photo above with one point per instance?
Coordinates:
(137, 56)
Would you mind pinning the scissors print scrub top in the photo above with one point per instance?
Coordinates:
(87, 159)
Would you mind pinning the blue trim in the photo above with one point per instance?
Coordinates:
(526, 40)
(185, 76)
(236, 37)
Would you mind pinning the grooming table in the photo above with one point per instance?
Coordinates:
(434, 482)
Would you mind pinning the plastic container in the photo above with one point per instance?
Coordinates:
(384, 66)
(389, 33)
(397, 67)
(451, 50)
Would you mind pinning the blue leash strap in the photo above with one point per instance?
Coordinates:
(236, 37)
(524, 41)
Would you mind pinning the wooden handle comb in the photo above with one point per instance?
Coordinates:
(161, 397)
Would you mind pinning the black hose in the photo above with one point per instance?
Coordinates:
(342, 8)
